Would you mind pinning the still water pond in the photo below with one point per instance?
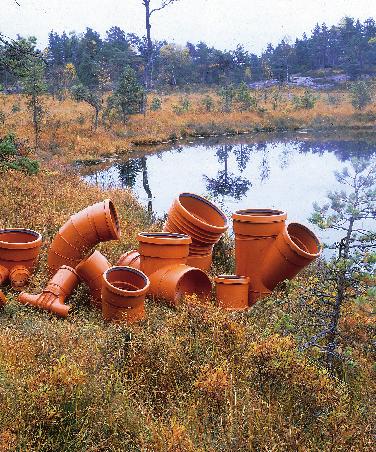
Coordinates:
(284, 172)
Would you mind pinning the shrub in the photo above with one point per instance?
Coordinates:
(361, 94)
(156, 104)
(13, 155)
(208, 103)
(306, 101)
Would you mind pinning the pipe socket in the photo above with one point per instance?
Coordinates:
(232, 292)
(123, 294)
(200, 219)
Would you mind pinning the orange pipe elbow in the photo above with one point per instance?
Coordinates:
(123, 294)
(173, 282)
(85, 229)
(200, 219)
(53, 297)
(19, 250)
(91, 270)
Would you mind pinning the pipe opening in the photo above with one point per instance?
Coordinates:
(259, 212)
(126, 278)
(171, 235)
(303, 238)
(19, 236)
(198, 207)
(193, 282)
(114, 216)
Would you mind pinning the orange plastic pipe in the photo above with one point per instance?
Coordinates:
(53, 297)
(173, 282)
(232, 292)
(129, 259)
(91, 270)
(19, 250)
(294, 248)
(200, 219)
(123, 294)
(161, 249)
(85, 229)
(255, 231)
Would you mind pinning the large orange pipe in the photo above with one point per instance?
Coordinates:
(173, 282)
(255, 231)
(85, 229)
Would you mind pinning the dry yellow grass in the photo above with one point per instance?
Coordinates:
(67, 132)
(187, 379)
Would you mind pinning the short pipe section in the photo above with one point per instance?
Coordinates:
(123, 294)
(294, 248)
(174, 282)
(85, 229)
(91, 270)
(232, 292)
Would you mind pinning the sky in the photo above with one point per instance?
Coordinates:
(220, 23)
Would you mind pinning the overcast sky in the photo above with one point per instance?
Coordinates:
(220, 23)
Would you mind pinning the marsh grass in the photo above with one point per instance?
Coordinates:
(67, 133)
(192, 378)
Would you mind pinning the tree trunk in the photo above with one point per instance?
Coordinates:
(149, 51)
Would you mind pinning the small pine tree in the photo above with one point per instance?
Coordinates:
(13, 155)
(34, 86)
(351, 211)
(128, 96)
(361, 94)
(156, 104)
(81, 93)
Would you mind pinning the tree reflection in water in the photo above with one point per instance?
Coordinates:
(227, 183)
(128, 172)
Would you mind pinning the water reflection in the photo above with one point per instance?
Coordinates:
(127, 173)
(227, 183)
(288, 174)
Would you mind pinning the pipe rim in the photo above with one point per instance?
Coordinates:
(21, 245)
(125, 292)
(113, 218)
(291, 243)
(222, 228)
(259, 215)
(231, 279)
(164, 238)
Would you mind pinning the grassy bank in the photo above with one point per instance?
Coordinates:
(187, 379)
(67, 131)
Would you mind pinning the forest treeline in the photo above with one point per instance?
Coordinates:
(349, 47)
